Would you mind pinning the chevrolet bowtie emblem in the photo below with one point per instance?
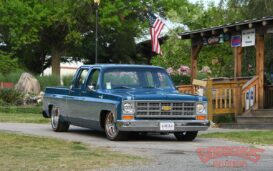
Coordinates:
(166, 108)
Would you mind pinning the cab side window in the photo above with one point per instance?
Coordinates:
(81, 78)
(93, 79)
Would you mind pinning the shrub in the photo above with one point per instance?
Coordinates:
(228, 118)
(11, 77)
(201, 76)
(67, 80)
(48, 81)
(2, 103)
(2, 78)
(11, 97)
(14, 76)
(180, 79)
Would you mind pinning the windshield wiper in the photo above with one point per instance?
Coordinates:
(123, 87)
(148, 87)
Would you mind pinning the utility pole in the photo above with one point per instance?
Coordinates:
(97, 3)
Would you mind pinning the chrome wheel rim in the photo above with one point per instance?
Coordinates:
(110, 127)
(55, 117)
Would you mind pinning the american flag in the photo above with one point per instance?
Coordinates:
(156, 26)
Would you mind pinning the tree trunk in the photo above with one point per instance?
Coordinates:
(56, 61)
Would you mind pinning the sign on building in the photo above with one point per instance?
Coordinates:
(248, 37)
(215, 39)
(236, 41)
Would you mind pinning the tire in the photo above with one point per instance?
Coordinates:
(57, 123)
(111, 131)
(186, 136)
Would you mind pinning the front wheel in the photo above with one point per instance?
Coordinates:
(57, 124)
(186, 136)
(112, 132)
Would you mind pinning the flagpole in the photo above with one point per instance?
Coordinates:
(179, 37)
(97, 3)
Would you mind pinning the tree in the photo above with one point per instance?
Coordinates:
(33, 31)
(7, 64)
(51, 25)
(196, 16)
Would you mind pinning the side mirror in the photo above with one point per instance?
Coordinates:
(91, 88)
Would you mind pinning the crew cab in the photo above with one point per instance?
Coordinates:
(123, 100)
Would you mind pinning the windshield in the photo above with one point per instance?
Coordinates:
(130, 78)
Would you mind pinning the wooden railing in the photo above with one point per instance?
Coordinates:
(250, 94)
(269, 96)
(185, 89)
(225, 95)
(222, 94)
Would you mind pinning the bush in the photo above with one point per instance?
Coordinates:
(201, 76)
(11, 77)
(48, 81)
(11, 97)
(2, 103)
(2, 78)
(67, 80)
(180, 79)
(14, 76)
(228, 118)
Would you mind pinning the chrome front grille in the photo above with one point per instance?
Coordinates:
(156, 109)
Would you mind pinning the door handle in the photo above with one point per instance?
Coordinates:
(71, 91)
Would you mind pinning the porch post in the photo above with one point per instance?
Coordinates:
(238, 51)
(194, 55)
(260, 69)
(238, 73)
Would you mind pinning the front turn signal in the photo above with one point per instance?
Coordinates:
(201, 117)
(127, 117)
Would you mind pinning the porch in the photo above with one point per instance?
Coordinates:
(249, 99)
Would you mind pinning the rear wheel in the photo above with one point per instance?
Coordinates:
(57, 123)
(186, 136)
(112, 132)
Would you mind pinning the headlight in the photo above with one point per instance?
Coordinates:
(201, 108)
(128, 108)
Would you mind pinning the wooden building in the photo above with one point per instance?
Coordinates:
(248, 98)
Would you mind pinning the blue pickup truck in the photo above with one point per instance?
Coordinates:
(123, 100)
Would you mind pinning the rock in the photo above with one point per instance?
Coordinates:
(28, 84)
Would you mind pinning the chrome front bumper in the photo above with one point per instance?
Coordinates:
(154, 125)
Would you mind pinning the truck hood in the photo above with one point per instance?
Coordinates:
(154, 94)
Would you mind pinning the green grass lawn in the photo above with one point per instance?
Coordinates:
(22, 114)
(23, 118)
(23, 152)
(252, 137)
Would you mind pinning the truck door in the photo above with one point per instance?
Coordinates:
(92, 98)
(75, 98)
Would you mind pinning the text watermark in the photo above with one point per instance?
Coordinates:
(229, 156)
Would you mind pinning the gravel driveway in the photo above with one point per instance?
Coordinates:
(164, 152)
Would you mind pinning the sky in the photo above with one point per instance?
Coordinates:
(205, 1)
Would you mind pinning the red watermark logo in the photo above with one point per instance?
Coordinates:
(229, 156)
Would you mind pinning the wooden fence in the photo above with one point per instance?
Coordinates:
(224, 95)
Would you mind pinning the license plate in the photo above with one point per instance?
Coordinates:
(167, 126)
